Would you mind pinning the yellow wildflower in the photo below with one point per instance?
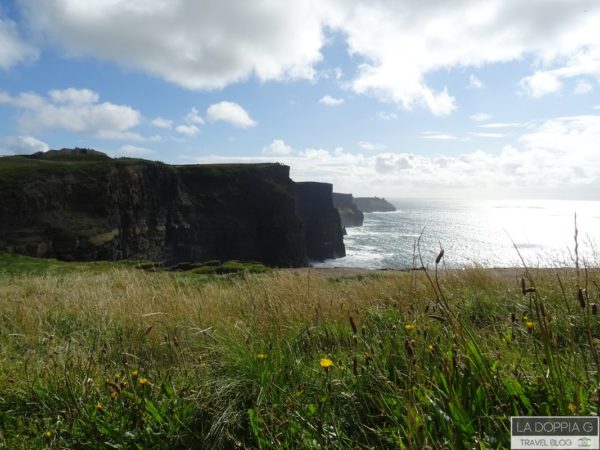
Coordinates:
(114, 394)
(326, 363)
(48, 435)
(135, 373)
(261, 356)
(143, 381)
(530, 325)
(409, 326)
(99, 406)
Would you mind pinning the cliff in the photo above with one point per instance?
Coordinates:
(350, 215)
(323, 229)
(82, 205)
(373, 204)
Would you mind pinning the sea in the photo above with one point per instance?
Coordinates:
(507, 233)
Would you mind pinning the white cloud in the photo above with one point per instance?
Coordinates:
(331, 101)
(194, 118)
(481, 117)
(21, 145)
(384, 115)
(73, 96)
(501, 125)
(74, 110)
(277, 147)
(583, 87)
(198, 45)
(365, 145)
(188, 130)
(475, 83)
(436, 136)
(579, 62)
(397, 45)
(161, 122)
(559, 154)
(540, 84)
(487, 135)
(231, 113)
(132, 150)
(13, 49)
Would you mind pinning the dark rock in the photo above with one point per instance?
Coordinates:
(373, 204)
(82, 205)
(350, 215)
(323, 229)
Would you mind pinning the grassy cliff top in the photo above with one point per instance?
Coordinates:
(288, 359)
(67, 161)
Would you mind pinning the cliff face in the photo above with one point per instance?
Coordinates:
(350, 215)
(323, 229)
(373, 204)
(74, 207)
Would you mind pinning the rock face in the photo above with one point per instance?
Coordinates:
(350, 215)
(82, 205)
(324, 233)
(373, 204)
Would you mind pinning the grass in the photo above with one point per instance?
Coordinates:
(108, 356)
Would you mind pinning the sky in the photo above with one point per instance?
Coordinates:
(404, 98)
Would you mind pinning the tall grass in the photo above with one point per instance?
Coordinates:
(120, 358)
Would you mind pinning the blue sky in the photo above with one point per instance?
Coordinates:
(395, 98)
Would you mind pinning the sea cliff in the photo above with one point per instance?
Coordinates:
(324, 233)
(350, 215)
(82, 205)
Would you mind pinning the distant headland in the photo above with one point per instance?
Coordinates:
(373, 204)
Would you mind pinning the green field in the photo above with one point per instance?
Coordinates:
(106, 355)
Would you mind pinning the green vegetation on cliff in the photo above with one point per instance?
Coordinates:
(112, 356)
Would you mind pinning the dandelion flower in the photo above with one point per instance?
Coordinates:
(530, 325)
(409, 326)
(48, 435)
(261, 356)
(326, 363)
(430, 348)
(99, 406)
(135, 373)
(143, 381)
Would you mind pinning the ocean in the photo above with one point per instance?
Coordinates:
(475, 233)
